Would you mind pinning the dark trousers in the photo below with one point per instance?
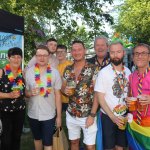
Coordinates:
(12, 129)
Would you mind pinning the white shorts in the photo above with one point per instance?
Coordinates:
(75, 124)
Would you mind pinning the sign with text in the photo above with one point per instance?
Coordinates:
(7, 41)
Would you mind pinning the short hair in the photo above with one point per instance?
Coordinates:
(141, 45)
(101, 37)
(51, 39)
(42, 47)
(115, 43)
(14, 51)
(60, 46)
(78, 42)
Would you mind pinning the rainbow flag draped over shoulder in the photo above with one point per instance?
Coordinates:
(138, 136)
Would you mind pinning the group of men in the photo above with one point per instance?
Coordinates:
(102, 80)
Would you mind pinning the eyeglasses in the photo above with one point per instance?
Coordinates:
(143, 54)
(40, 56)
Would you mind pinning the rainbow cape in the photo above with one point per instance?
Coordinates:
(138, 136)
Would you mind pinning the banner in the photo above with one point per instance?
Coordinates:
(7, 41)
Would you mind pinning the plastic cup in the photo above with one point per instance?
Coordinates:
(133, 104)
(71, 85)
(124, 120)
(139, 106)
(16, 88)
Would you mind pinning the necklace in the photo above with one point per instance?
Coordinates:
(40, 84)
(12, 79)
(120, 78)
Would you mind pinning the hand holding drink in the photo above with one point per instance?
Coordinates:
(143, 100)
(16, 91)
(132, 103)
(123, 122)
(70, 88)
(35, 89)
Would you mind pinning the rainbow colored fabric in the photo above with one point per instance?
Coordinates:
(99, 142)
(138, 136)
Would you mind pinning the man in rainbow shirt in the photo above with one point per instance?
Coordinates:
(139, 129)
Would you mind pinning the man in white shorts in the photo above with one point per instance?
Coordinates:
(78, 114)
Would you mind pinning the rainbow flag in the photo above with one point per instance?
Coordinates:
(138, 136)
(99, 143)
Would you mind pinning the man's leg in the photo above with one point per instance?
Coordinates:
(74, 144)
(74, 130)
(38, 144)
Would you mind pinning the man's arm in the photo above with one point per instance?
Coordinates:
(105, 107)
(90, 118)
(58, 107)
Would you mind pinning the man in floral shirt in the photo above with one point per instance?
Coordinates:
(83, 74)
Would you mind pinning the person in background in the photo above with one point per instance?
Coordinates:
(43, 84)
(138, 132)
(101, 59)
(12, 102)
(52, 45)
(61, 55)
(112, 88)
(78, 83)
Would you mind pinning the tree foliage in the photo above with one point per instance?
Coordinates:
(59, 19)
(134, 20)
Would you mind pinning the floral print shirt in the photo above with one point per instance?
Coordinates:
(81, 102)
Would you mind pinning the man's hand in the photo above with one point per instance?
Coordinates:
(58, 122)
(14, 94)
(89, 121)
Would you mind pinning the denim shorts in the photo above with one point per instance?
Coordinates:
(43, 130)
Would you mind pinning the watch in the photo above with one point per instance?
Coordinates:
(92, 115)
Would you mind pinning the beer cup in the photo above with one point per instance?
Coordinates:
(71, 85)
(133, 104)
(124, 120)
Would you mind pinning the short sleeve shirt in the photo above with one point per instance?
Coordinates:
(80, 103)
(39, 107)
(108, 84)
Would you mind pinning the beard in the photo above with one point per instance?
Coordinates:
(117, 61)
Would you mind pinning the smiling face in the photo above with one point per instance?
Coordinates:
(141, 57)
(15, 61)
(78, 52)
(42, 57)
(101, 47)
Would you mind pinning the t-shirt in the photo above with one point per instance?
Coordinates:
(39, 107)
(107, 83)
(61, 67)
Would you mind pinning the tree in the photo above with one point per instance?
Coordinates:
(134, 20)
(58, 18)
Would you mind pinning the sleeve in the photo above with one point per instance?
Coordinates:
(30, 63)
(27, 81)
(58, 81)
(100, 85)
